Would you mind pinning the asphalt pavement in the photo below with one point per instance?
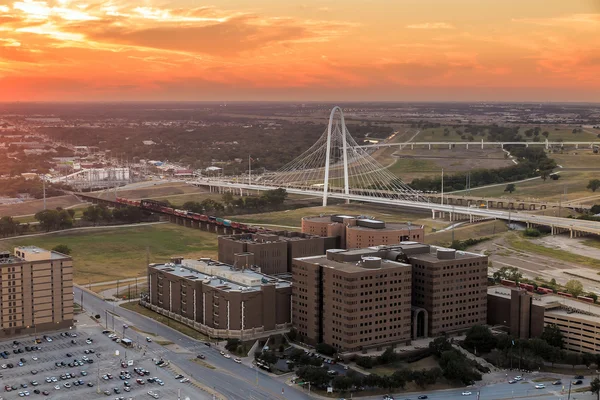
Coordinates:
(241, 382)
(234, 381)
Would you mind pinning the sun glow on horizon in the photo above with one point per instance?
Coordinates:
(271, 50)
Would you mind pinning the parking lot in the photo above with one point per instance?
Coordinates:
(68, 366)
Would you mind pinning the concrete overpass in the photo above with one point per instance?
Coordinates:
(482, 144)
(575, 227)
(501, 202)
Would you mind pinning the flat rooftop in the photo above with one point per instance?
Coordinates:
(432, 256)
(270, 237)
(389, 226)
(36, 253)
(353, 266)
(220, 275)
(38, 250)
(364, 221)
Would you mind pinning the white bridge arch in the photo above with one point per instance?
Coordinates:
(336, 163)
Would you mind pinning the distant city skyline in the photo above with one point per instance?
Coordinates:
(317, 50)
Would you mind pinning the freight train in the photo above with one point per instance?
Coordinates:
(164, 208)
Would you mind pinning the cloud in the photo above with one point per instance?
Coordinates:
(226, 37)
(573, 21)
(431, 25)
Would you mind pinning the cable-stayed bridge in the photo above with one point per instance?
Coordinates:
(337, 167)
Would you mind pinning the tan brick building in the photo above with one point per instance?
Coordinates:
(430, 290)
(36, 291)
(271, 252)
(449, 285)
(352, 299)
(526, 314)
(358, 231)
(218, 299)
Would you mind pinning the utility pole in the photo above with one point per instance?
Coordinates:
(44, 191)
(442, 186)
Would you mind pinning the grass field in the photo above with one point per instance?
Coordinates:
(404, 165)
(518, 242)
(480, 229)
(437, 135)
(577, 159)
(560, 133)
(293, 218)
(117, 253)
(186, 330)
(572, 182)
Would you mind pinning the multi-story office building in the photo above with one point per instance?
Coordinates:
(449, 286)
(447, 294)
(36, 291)
(526, 314)
(358, 231)
(271, 252)
(352, 299)
(219, 299)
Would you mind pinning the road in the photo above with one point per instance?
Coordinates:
(234, 381)
(515, 216)
(238, 381)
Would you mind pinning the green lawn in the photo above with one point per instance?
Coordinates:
(178, 326)
(572, 182)
(118, 253)
(559, 133)
(404, 165)
(520, 243)
(437, 135)
(577, 159)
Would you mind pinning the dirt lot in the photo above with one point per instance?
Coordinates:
(152, 191)
(31, 207)
(546, 266)
(419, 163)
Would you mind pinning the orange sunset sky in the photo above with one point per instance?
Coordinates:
(410, 50)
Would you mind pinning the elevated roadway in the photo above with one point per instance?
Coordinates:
(575, 227)
(547, 144)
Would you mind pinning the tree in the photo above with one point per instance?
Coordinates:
(92, 214)
(269, 357)
(592, 295)
(574, 287)
(315, 375)
(509, 273)
(8, 226)
(480, 338)
(510, 188)
(595, 209)
(595, 387)
(326, 349)
(593, 184)
(572, 358)
(62, 248)
(439, 345)
(232, 345)
(545, 134)
(553, 336)
(227, 198)
(48, 219)
(342, 383)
